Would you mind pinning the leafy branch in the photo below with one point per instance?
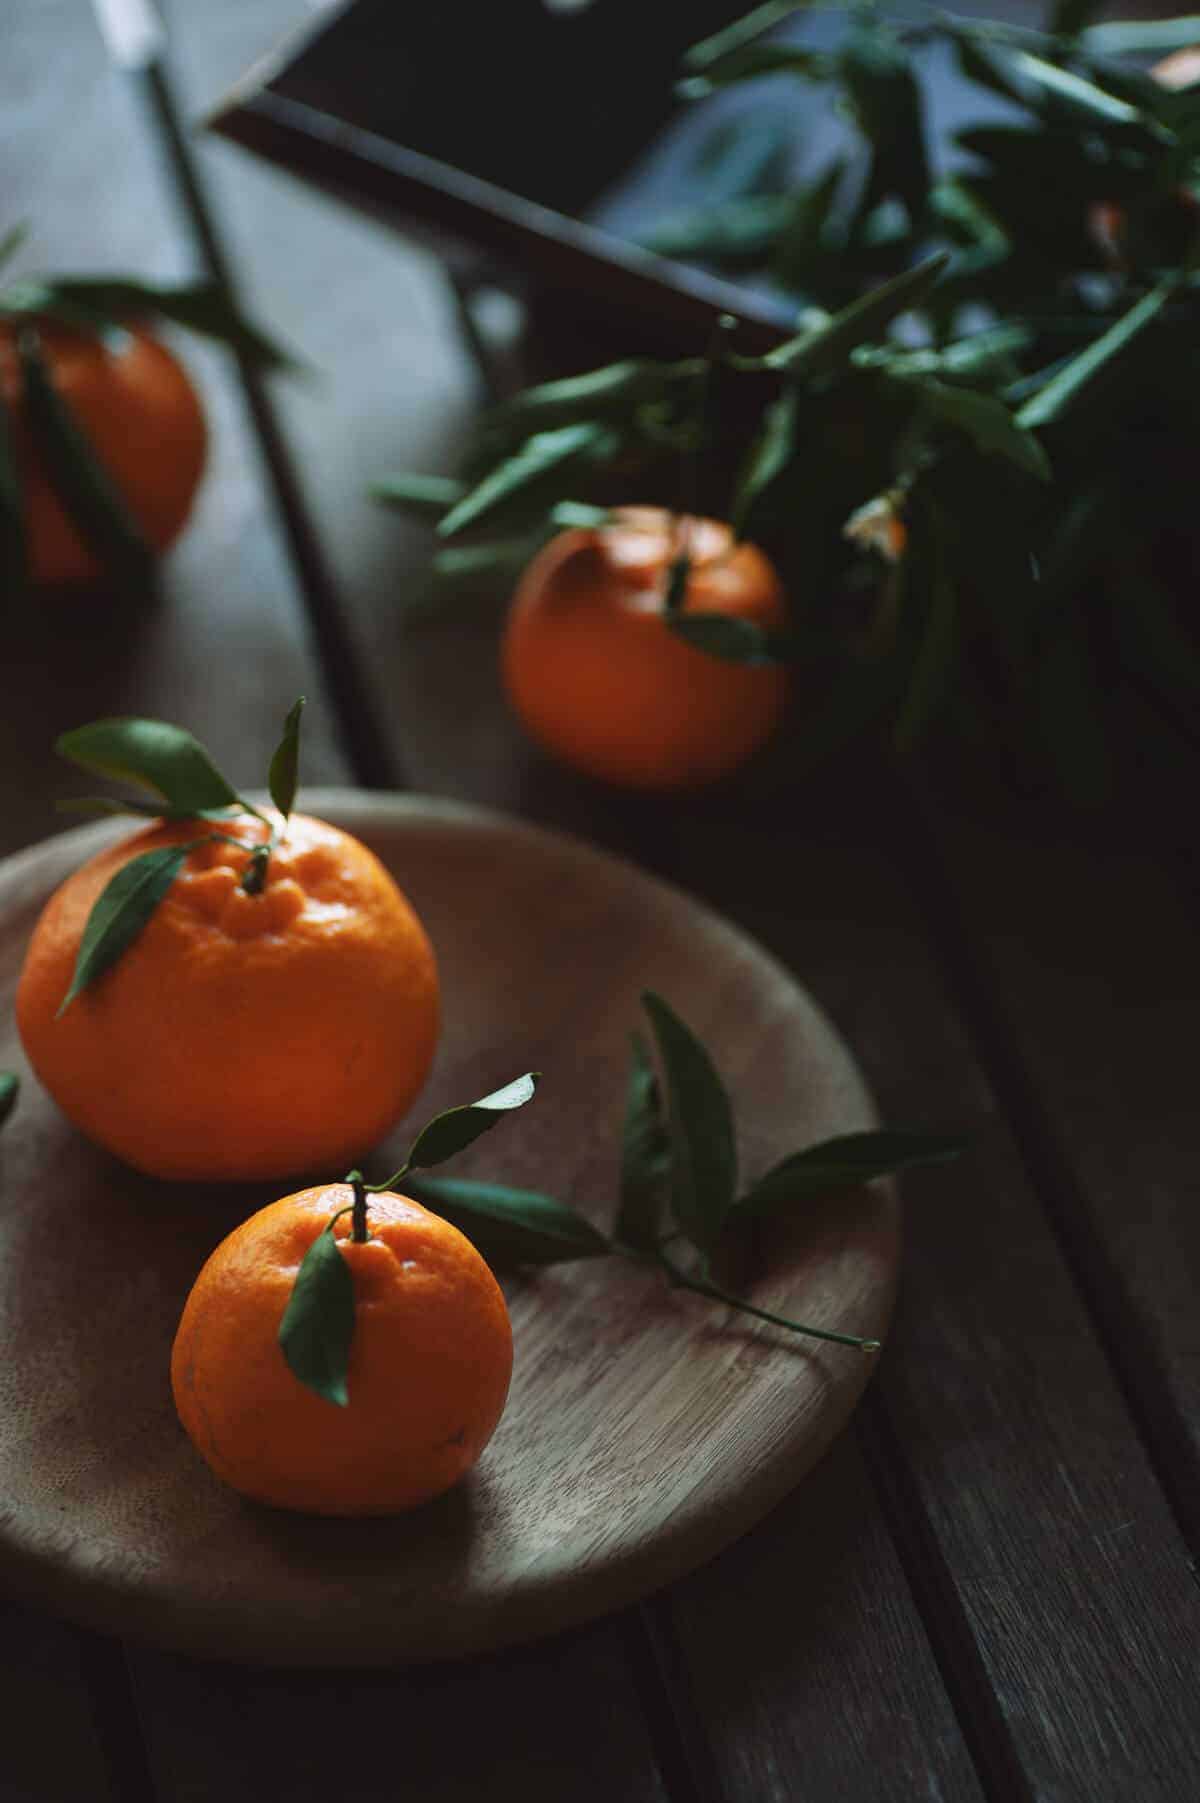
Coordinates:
(678, 1183)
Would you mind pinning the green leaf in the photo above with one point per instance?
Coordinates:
(205, 308)
(1060, 391)
(824, 346)
(122, 910)
(154, 755)
(457, 1128)
(580, 513)
(594, 393)
(840, 1164)
(769, 456)
(645, 1155)
(700, 1124)
(751, 62)
(886, 101)
(429, 496)
(10, 1084)
(1068, 17)
(12, 241)
(721, 43)
(285, 764)
(99, 805)
(317, 1330)
(741, 230)
(13, 549)
(985, 64)
(804, 241)
(677, 582)
(1083, 97)
(1126, 37)
(988, 423)
(79, 479)
(733, 640)
(518, 1225)
(544, 452)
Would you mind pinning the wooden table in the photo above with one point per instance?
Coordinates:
(988, 1589)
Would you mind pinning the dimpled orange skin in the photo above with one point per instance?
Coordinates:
(600, 681)
(428, 1374)
(137, 406)
(238, 1036)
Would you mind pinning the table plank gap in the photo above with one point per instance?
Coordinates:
(997, 992)
(800, 1664)
(118, 1722)
(957, 1654)
(371, 758)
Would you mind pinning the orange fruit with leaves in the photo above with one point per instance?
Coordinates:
(136, 406)
(601, 671)
(426, 1378)
(241, 1035)
(232, 994)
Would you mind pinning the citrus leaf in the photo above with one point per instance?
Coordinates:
(121, 911)
(1068, 17)
(886, 102)
(519, 1225)
(285, 764)
(473, 564)
(12, 241)
(988, 423)
(740, 229)
(1082, 96)
(154, 755)
(108, 805)
(720, 44)
(205, 308)
(544, 452)
(457, 1128)
(769, 456)
(429, 496)
(613, 385)
(700, 1124)
(317, 1329)
(1052, 400)
(580, 513)
(752, 61)
(13, 549)
(79, 479)
(10, 1084)
(1123, 37)
(677, 582)
(721, 635)
(825, 345)
(840, 1164)
(645, 1154)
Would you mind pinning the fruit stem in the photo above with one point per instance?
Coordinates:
(358, 1221)
(682, 1281)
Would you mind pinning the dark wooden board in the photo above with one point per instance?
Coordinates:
(1054, 1580)
(642, 1432)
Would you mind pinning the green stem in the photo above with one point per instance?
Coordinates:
(700, 1288)
(358, 1230)
(376, 1189)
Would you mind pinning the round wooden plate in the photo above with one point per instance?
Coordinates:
(646, 1427)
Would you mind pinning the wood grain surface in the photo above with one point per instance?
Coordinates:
(644, 1430)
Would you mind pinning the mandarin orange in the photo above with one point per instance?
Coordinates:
(239, 1035)
(428, 1373)
(138, 409)
(601, 681)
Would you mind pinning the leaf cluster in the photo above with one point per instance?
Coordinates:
(1003, 354)
(100, 308)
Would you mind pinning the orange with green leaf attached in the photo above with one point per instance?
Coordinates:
(102, 433)
(232, 993)
(629, 651)
(358, 1298)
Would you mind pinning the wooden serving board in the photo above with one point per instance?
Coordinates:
(646, 1427)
